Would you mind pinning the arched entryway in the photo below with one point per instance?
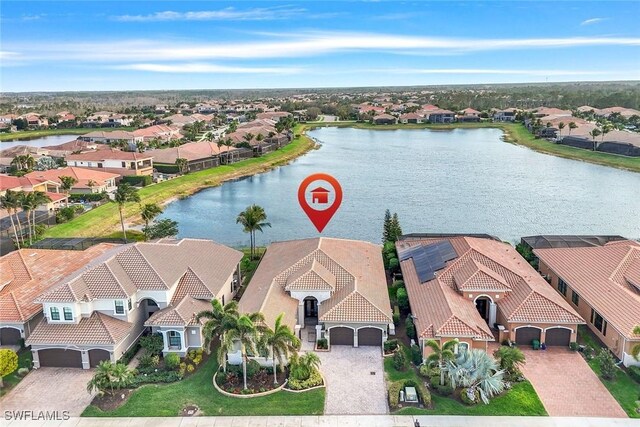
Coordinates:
(487, 309)
(310, 311)
(148, 306)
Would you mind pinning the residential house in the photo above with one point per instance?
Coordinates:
(384, 119)
(508, 115)
(603, 284)
(99, 311)
(411, 118)
(27, 273)
(468, 115)
(442, 116)
(479, 290)
(199, 155)
(179, 120)
(107, 119)
(326, 288)
(115, 161)
(35, 121)
(163, 133)
(29, 184)
(87, 180)
(273, 115)
(102, 137)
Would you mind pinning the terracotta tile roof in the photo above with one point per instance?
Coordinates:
(148, 266)
(190, 151)
(605, 277)
(191, 284)
(181, 314)
(482, 265)
(27, 273)
(316, 277)
(97, 329)
(102, 155)
(82, 175)
(359, 293)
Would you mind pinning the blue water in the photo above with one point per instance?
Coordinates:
(463, 180)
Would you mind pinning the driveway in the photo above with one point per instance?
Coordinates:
(567, 386)
(351, 387)
(51, 389)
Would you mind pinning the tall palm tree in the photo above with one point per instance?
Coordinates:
(11, 202)
(123, 195)
(244, 330)
(561, 126)
(182, 163)
(148, 213)
(594, 134)
(441, 354)
(249, 137)
(217, 321)
(281, 342)
(27, 205)
(38, 198)
(91, 183)
(67, 184)
(253, 219)
(572, 125)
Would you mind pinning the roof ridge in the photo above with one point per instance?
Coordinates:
(535, 292)
(24, 264)
(15, 301)
(101, 320)
(106, 264)
(621, 263)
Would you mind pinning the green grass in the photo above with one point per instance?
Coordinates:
(624, 389)
(104, 220)
(521, 400)
(10, 381)
(48, 132)
(168, 400)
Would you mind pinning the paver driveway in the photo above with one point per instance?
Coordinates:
(351, 388)
(51, 389)
(567, 386)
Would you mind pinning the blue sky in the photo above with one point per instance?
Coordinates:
(126, 45)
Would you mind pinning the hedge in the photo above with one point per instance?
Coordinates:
(394, 392)
(154, 378)
(634, 373)
(89, 197)
(315, 379)
(170, 169)
(142, 180)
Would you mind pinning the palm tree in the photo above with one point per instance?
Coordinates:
(301, 367)
(243, 330)
(635, 350)
(26, 203)
(476, 371)
(572, 125)
(123, 195)
(594, 134)
(510, 359)
(217, 322)
(228, 142)
(91, 183)
(39, 198)
(281, 342)
(148, 213)
(441, 354)
(249, 137)
(67, 184)
(252, 219)
(182, 163)
(561, 126)
(11, 202)
(606, 128)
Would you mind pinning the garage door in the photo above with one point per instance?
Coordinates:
(341, 336)
(524, 336)
(369, 336)
(557, 336)
(97, 356)
(9, 336)
(59, 357)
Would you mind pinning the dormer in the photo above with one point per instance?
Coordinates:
(312, 279)
(472, 277)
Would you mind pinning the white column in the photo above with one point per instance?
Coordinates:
(355, 337)
(165, 341)
(36, 359)
(85, 359)
(301, 314)
(318, 331)
(183, 345)
(492, 314)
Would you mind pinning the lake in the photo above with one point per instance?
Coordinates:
(44, 141)
(454, 181)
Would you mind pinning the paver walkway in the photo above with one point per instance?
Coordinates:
(351, 387)
(567, 386)
(51, 389)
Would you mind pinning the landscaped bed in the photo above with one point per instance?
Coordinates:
(259, 379)
(11, 380)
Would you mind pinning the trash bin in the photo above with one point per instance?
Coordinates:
(536, 344)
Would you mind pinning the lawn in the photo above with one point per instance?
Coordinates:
(10, 381)
(521, 400)
(104, 220)
(168, 400)
(624, 389)
(47, 132)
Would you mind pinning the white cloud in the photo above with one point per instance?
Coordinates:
(206, 68)
(535, 72)
(592, 21)
(227, 14)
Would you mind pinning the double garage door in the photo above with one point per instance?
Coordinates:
(366, 336)
(61, 358)
(553, 336)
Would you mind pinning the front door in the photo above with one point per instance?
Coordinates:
(311, 308)
(481, 305)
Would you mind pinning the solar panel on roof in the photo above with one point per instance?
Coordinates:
(427, 259)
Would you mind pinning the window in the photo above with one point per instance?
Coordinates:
(462, 348)
(129, 304)
(174, 339)
(55, 313)
(222, 299)
(119, 307)
(562, 287)
(124, 164)
(68, 314)
(598, 322)
(575, 298)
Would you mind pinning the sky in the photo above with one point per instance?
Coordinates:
(161, 45)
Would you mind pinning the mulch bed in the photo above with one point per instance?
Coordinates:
(260, 382)
(108, 402)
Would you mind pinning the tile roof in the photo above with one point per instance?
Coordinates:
(112, 154)
(82, 175)
(181, 314)
(190, 151)
(27, 273)
(97, 329)
(482, 265)
(359, 293)
(606, 277)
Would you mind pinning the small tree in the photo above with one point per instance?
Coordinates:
(607, 364)
(8, 363)
(635, 350)
(281, 342)
(123, 195)
(386, 227)
(162, 228)
(561, 126)
(440, 355)
(510, 359)
(148, 213)
(396, 230)
(594, 134)
(182, 165)
(572, 126)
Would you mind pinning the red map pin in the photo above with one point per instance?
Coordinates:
(324, 201)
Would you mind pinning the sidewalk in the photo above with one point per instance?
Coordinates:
(334, 421)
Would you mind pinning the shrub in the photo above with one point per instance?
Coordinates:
(390, 345)
(149, 361)
(394, 393)
(469, 396)
(411, 329)
(315, 379)
(152, 344)
(253, 368)
(23, 371)
(434, 380)
(398, 284)
(573, 346)
(138, 180)
(403, 299)
(65, 214)
(183, 368)
(396, 318)
(416, 355)
(172, 361)
(191, 368)
(156, 377)
(444, 390)
(127, 356)
(399, 361)
(607, 364)
(323, 343)
(426, 371)
(634, 373)
(8, 361)
(168, 169)
(89, 197)
(394, 264)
